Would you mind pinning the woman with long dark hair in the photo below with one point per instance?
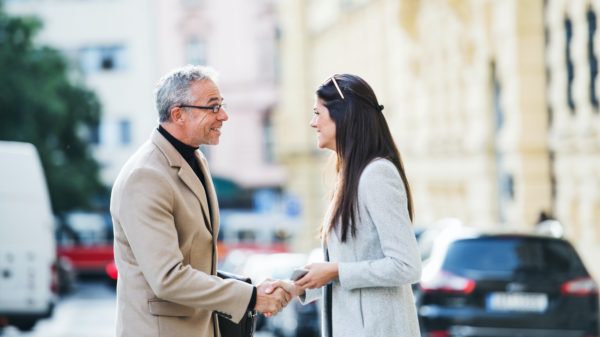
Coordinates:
(371, 253)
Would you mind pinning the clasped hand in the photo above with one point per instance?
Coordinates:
(274, 295)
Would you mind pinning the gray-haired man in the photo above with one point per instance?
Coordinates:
(166, 221)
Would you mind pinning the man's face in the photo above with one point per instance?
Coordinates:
(203, 126)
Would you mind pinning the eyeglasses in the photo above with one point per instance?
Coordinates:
(214, 108)
(336, 85)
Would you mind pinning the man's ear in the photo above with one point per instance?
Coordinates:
(176, 114)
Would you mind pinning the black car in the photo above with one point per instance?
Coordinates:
(512, 285)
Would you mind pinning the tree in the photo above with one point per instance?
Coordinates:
(41, 104)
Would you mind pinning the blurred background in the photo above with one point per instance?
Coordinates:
(494, 105)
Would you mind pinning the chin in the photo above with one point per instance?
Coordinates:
(324, 146)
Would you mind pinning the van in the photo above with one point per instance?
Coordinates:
(27, 245)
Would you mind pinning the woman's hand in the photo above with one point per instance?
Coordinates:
(319, 274)
(290, 287)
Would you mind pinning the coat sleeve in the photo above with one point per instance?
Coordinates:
(382, 193)
(310, 295)
(146, 216)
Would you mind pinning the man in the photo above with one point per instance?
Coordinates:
(166, 221)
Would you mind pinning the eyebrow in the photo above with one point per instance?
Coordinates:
(215, 99)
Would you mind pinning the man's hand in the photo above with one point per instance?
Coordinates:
(272, 297)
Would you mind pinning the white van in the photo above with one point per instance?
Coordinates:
(27, 245)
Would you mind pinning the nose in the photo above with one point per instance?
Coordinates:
(313, 122)
(223, 116)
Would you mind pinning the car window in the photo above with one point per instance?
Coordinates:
(510, 254)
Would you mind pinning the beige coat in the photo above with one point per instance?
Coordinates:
(165, 248)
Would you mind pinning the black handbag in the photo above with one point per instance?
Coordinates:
(246, 327)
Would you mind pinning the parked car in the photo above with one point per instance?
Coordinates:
(85, 240)
(254, 231)
(506, 285)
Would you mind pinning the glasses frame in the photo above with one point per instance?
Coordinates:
(214, 108)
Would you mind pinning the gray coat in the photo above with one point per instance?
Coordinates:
(373, 295)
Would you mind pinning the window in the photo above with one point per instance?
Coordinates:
(503, 178)
(569, 60)
(268, 141)
(196, 52)
(496, 96)
(193, 3)
(125, 132)
(113, 133)
(95, 135)
(512, 255)
(592, 59)
(102, 58)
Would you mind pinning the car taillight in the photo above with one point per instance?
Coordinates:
(111, 270)
(438, 333)
(584, 286)
(447, 282)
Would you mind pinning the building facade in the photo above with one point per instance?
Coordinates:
(574, 133)
(477, 94)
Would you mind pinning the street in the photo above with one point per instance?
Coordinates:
(88, 312)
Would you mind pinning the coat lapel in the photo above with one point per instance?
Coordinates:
(185, 173)
(210, 192)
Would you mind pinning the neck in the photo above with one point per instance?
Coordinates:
(177, 132)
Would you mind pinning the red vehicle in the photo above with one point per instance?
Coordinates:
(85, 241)
(88, 260)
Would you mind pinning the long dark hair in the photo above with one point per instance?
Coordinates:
(362, 134)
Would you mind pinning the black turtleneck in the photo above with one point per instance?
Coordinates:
(187, 152)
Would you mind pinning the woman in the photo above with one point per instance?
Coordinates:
(371, 252)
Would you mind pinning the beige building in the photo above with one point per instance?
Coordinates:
(477, 95)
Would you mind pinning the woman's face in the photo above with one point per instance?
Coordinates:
(324, 125)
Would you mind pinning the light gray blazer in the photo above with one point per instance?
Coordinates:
(373, 295)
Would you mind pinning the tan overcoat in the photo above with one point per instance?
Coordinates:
(165, 248)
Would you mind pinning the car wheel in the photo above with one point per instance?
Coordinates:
(25, 325)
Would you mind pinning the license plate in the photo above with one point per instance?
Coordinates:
(531, 302)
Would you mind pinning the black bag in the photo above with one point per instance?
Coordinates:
(245, 328)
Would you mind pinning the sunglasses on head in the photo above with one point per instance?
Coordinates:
(332, 77)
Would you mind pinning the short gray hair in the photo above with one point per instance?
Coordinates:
(173, 88)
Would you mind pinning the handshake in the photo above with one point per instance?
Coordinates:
(274, 295)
